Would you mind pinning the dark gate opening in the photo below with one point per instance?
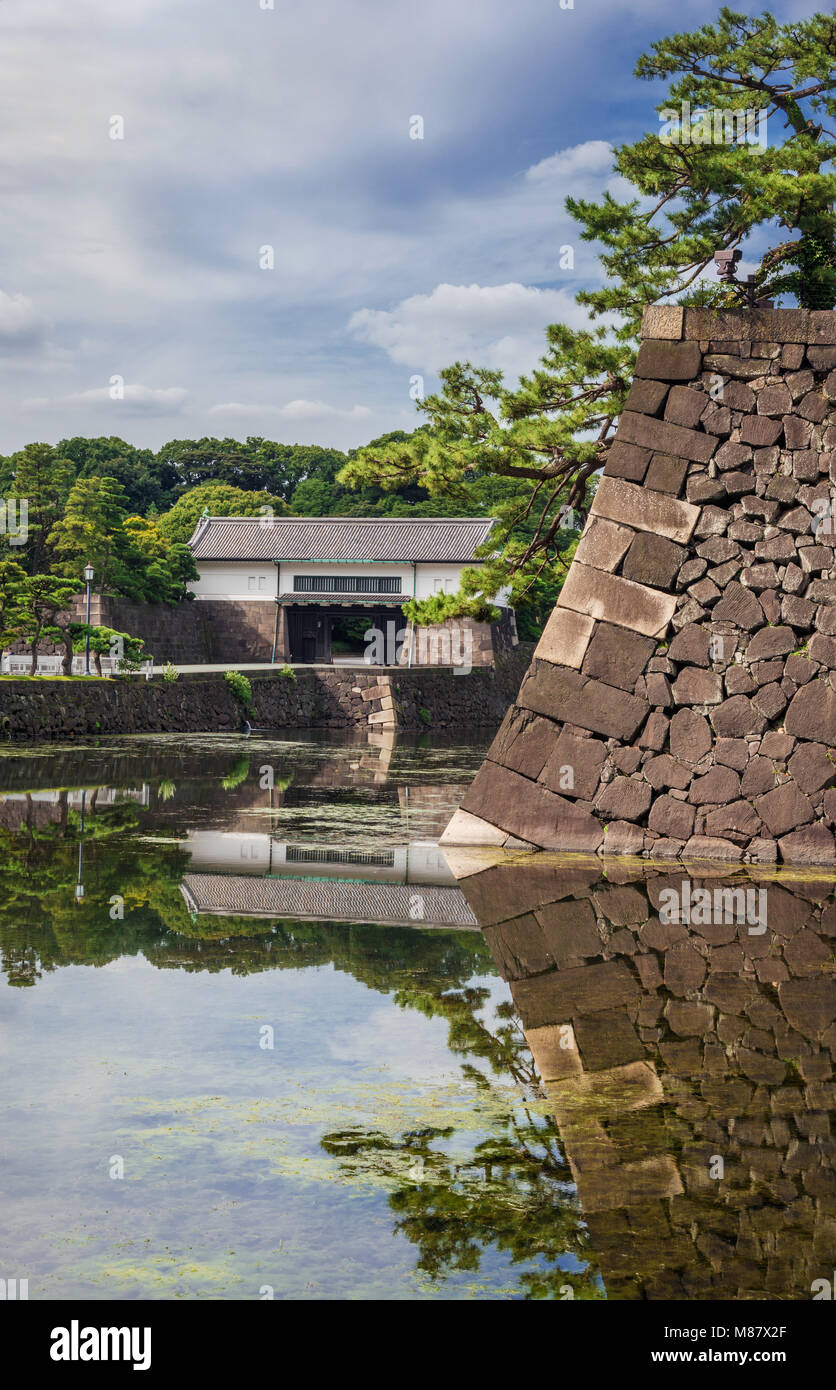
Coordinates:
(318, 634)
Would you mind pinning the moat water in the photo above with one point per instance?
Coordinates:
(262, 1038)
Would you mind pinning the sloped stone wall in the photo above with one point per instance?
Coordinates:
(681, 700)
(688, 1064)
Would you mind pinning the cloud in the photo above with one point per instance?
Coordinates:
(592, 157)
(22, 326)
(246, 127)
(491, 325)
(300, 410)
(136, 400)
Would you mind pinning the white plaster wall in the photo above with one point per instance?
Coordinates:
(235, 579)
(434, 579)
(231, 579)
(215, 851)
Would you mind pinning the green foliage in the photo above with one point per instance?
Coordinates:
(12, 606)
(692, 198)
(237, 774)
(532, 453)
(148, 480)
(240, 687)
(287, 672)
(107, 641)
(91, 529)
(529, 454)
(216, 499)
(439, 607)
(170, 673)
(46, 602)
(41, 476)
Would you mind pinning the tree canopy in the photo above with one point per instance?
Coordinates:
(551, 433)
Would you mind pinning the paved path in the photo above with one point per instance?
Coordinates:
(274, 666)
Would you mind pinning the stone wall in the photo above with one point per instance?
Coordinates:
(688, 1064)
(194, 632)
(460, 641)
(681, 700)
(338, 698)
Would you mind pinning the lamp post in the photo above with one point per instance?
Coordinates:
(88, 575)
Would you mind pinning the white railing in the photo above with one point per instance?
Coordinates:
(20, 664)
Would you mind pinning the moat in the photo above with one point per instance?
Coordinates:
(263, 1039)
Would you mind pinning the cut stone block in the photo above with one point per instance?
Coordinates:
(467, 829)
(565, 638)
(812, 713)
(626, 461)
(653, 560)
(574, 768)
(739, 606)
(531, 812)
(617, 600)
(624, 798)
(694, 686)
(662, 321)
(603, 543)
(617, 656)
(666, 473)
(524, 742)
(646, 397)
(645, 511)
(668, 361)
(783, 809)
(684, 406)
(661, 437)
(690, 736)
(576, 699)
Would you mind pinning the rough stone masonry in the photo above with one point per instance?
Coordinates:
(681, 701)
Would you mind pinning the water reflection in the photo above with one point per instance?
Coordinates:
(540, 1078)
(684, 1030)
(317, 908)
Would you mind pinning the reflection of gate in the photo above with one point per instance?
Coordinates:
(309, 635)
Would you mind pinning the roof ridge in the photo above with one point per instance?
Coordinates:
(374, 520)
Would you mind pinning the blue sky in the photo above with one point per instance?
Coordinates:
(138, 258)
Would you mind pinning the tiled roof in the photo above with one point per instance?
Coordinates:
(350, 539)
(323, 900)
(334, 599)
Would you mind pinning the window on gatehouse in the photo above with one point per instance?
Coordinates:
(345, 584)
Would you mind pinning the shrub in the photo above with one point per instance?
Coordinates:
(240, 687)
(170, 673)
(288, 672)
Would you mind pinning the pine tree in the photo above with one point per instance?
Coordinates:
(550, 435)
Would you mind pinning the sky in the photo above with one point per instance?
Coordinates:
(216, 218)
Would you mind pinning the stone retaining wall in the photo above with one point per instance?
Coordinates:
(341, 698)
(681, 699)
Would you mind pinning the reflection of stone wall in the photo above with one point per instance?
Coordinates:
(685, 676)
(685, 1043)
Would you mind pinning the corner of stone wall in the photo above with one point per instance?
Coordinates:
(681, 700)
